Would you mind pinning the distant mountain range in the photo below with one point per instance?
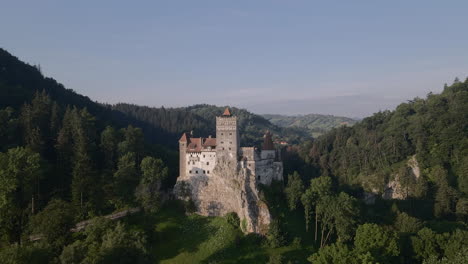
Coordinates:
(315, 124)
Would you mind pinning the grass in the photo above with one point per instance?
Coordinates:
(197, 239)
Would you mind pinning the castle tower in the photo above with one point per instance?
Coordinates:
(183, 142)
(268, 148)
(227, 135)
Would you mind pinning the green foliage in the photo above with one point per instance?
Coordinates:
(107, 244)
(275, 236)
(19, 178)
(337, 253)
(381, 244)
(319, 188)
(201, 120)
(407, 224)
(294, 190)
(445, 195)
(126, 179)
(110, 139)
(121, 245)
(276, 259)
(54, 222)
(433, 129)
(430, 245)
(460, 258)
(133, 142)
(316, 124)
(425, 244)
(148, 190)
(26, 254)
(233, 219)
(244, 225)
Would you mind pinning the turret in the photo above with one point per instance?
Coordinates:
(183, 142)
(268, 148)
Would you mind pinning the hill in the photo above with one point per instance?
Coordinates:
(20, 81)
(421, 147)
(201, 120)
(65, 158)
(315, 124)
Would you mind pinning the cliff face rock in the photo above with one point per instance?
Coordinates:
(395, 189)
(229, 188)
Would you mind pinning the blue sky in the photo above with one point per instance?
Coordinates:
(349, 58)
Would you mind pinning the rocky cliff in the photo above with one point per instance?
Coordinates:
(229, 188)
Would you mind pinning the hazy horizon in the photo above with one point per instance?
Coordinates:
(269, 57)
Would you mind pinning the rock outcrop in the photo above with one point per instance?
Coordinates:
(394, 188)
(229, 188)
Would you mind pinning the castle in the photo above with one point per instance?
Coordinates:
(220, 177)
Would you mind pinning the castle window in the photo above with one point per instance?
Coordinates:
(208, 172)
(204, 171)
(188, 163)
(229, 148)
(230, 142)
(189, 171)
(222, 142)
(207, 163)
(203, 155)
(222, 148)
(258, 177)
(222, 134)
(196, 172)
(230, 134)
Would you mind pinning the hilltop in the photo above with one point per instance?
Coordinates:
(315, 124)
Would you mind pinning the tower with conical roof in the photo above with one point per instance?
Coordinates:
(227, 135)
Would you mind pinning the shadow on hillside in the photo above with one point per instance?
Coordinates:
(177, 233)
(247, 249)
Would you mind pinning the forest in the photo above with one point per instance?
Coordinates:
(315, 124)
(65, 159)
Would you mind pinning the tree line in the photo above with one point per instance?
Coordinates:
(57, 168)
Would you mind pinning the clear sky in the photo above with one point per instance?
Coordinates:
(346, 57)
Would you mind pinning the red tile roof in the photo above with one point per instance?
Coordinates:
(227, 112)
(197, 144)
(209, 142)
(184, 138)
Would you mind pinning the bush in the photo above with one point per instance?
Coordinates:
(275, 259)
(244, 225)
(29, 254)
(275, 236)
(54, 222)
(189, 206)
(233, 219)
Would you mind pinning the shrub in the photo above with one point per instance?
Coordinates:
(233, 219)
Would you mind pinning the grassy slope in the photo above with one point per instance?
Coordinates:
(197, 239)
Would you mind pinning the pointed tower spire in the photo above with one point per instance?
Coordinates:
(227, 112)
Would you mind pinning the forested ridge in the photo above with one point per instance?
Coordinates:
(19, 82)
(316, 124)
(201, 120)
(65, 158)
(422, 148)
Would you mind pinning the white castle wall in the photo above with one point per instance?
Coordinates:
(200, 163)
